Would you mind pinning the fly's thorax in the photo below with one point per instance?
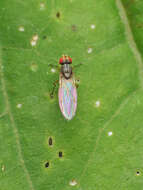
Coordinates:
(63, 80)
(66, 70)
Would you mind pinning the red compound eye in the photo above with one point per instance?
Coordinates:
(70, 59)
(60, 60)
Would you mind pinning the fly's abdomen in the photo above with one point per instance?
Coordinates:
(67, 98)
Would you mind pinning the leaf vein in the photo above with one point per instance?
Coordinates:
(8, 111)
(117, 112)
(131, 40)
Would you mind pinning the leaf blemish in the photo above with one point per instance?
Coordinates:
(110, 133)
(21, 29)
(97, 103)
(74, 28)
(58, 15)
(50, 141)
(73, 182)
(33, 43)
(53, 70)
(42, 6)
(34, 67)
(60, 154)
(3, 168)
(35, 37)
(137, 173)
(92, 26)
(46, 164)
(89, 50)
(44, 37)
(19, 105)
(34, 40)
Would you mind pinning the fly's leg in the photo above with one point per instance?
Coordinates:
(55, 83)
(77, 81)
(54, 87)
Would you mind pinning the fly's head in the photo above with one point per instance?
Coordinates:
(66, 68)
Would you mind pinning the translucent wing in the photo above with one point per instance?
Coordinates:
(67, 97)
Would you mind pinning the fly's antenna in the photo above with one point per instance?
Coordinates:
(67, 58)
(64, 58)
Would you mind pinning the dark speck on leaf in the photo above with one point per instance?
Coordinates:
(74, 28)
(44, 37)
(58, 15)
(138, 172)
(60, 154)
(50, 141)
(47, 165)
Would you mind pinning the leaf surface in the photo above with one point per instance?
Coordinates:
(102, 145)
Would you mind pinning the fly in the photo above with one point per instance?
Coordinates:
(67, 88)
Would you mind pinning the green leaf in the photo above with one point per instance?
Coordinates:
(102, 145)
